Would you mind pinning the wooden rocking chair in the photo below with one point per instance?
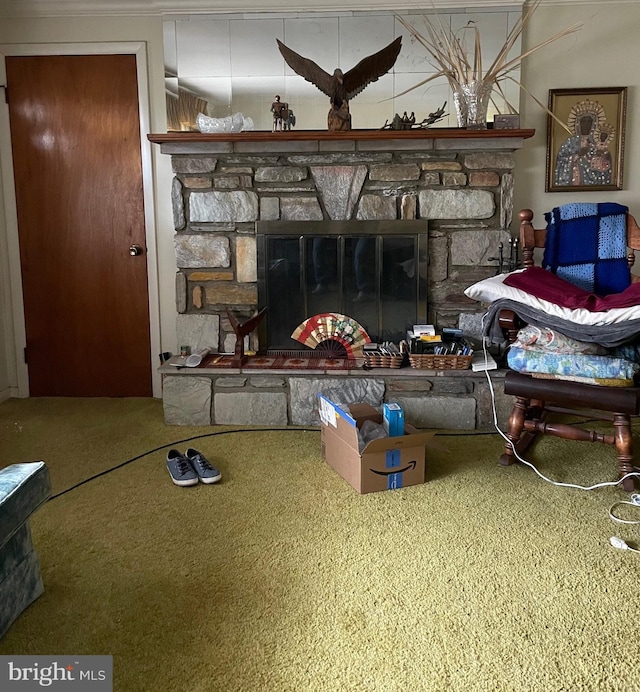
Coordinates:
(536, 398)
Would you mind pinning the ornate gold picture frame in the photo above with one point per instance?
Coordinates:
(589, 153)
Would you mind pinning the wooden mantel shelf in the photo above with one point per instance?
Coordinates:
(329, 136)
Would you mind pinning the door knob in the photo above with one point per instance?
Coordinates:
(135, 250)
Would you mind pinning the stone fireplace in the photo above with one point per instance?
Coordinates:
(459, 183)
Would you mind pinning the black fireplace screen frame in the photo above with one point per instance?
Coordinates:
(376, 273)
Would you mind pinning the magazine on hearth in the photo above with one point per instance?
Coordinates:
(193, 360)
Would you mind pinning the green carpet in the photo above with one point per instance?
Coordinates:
(281, 577)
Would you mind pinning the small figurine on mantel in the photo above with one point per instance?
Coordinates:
(408, 122)
(342, 87)
(405, 122)
(241, 330)
(283, 117)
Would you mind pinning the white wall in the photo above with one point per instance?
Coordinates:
(603, 53)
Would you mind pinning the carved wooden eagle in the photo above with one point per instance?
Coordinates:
(342, 87)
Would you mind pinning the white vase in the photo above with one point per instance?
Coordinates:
(471, 100)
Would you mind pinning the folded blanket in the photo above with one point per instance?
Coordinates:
(609, 335)
(601, 381)
(543, 284)
(553, 341)
(571, 365)
(586, 245)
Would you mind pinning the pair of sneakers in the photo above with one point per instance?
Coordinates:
(191, 468)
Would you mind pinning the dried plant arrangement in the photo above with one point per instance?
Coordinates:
(459, 59)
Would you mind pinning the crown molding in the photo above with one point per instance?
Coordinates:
(119, 8)
(78, 8)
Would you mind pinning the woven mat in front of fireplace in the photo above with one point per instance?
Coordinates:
(281, 363)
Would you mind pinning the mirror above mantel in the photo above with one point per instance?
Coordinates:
(222, 64)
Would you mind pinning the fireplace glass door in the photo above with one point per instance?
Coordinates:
(374, 272)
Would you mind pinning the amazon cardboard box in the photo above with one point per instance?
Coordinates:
(384, 464)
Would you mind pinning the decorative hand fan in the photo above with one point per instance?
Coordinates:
(319, 330)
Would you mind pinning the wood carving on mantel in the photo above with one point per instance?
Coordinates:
(342, 87)
(241, 330)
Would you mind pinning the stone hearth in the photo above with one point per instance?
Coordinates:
(460, 180)
(455, 399)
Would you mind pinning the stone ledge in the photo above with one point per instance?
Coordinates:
(394, 373)
(454, 399)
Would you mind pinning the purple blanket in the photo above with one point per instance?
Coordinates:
(543, 284)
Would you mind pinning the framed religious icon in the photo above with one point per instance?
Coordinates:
(585, 139)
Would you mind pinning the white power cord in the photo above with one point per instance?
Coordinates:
(622, 545)
(635, 502)
(614, 540)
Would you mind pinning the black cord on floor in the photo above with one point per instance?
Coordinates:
(473, 433)
(173, 444)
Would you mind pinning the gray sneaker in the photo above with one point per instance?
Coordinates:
(206, 472)
(182, 473)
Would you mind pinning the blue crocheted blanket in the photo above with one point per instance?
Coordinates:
(586, 244)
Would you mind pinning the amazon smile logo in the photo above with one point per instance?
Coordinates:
(410, 466)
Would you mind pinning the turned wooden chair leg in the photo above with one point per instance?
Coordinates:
(624, 449)
(514, 429)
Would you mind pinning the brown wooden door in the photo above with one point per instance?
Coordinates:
(75, 135)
